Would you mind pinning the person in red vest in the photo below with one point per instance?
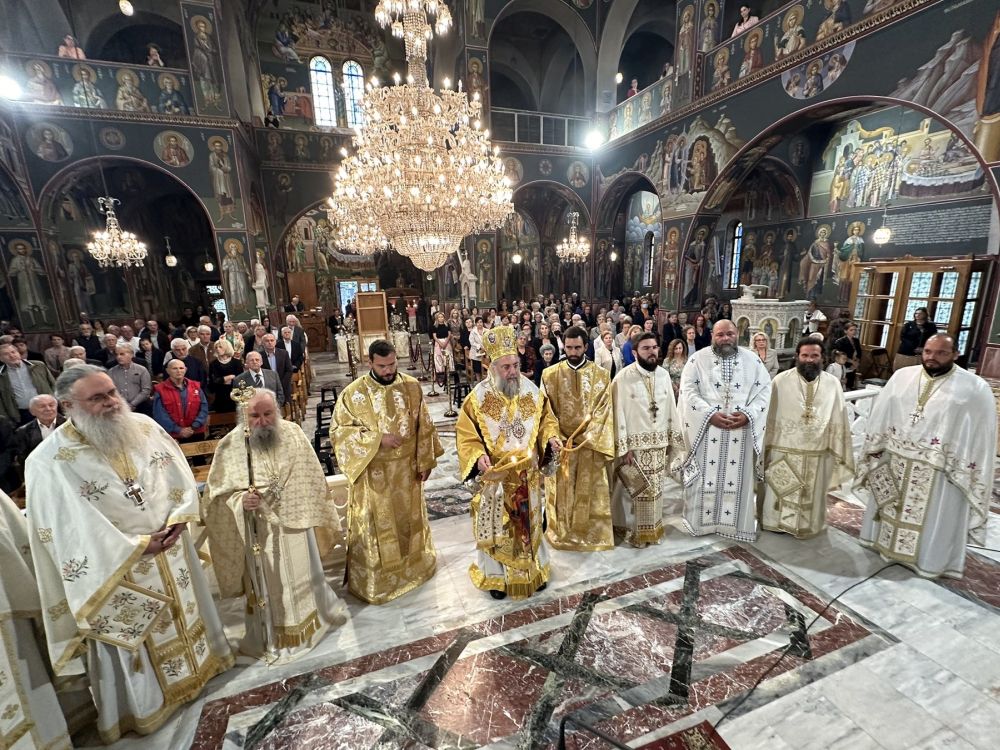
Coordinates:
(180, 406)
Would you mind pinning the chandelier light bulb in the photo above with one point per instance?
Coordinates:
(613, 256)
(125, 7)
(619, 78)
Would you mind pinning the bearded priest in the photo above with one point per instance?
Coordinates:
(387, 446)
(807, 445)
(505, 431)
(926, 468)
(577, 496)
(723, 401)
(109, 499)
(289, 501)
(648, 439)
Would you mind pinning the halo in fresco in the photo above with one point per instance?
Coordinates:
(513, 169)
(49, 142)
(817, 74)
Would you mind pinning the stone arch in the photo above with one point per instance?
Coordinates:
(617, 28)
(565, 192)
(614, 193)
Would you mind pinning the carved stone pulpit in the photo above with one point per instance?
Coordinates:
(780, 321)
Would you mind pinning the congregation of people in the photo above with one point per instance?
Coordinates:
(584, 427)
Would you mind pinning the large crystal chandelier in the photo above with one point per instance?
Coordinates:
(423, 174)
(113, 247)
(573, 249)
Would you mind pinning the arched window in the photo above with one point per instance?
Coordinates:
(735, 259)
(324, 91)
(648, 248)
(354, 89)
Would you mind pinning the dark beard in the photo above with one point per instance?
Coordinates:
(383, 381)
(808, 370)
(724, 350)
(647, 364)
(937, 371)
(576, 361)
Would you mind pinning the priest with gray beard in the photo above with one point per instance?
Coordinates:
(109, 497)
(288, 495)
(723, 404)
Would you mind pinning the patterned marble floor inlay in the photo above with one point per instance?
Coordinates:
(631, 657)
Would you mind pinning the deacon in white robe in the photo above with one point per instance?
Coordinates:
(926, 469)
(648, 437)
(723, 405)
(807, 445)
(120, 582)
(31, 717)
(288, 504)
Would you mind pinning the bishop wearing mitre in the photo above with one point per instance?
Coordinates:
(505, 431)
(387, 446)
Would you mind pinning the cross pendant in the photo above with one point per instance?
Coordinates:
(653, 409)
(808, 416)
(134, 493)
(916, 416)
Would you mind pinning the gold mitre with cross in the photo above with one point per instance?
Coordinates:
(500, 342)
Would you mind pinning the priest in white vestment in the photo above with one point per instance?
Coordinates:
(32, 717)
(723, 403)
(290, 502)
(807, 445)
(926, 469)
(648, 438)
(110, 495)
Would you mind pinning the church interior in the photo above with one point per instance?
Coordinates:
(656, 157)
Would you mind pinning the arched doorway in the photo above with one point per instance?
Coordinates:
(154, 205)
(630, 216)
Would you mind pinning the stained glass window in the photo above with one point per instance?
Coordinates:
(324, 91)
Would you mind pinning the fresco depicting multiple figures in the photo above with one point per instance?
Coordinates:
(816, 75)
(643, 235)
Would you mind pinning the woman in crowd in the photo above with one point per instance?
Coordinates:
(547, 357)
(606, 354)
(726, 311)
(672, 329)
(235, 340)
(526, 355)
(690, 345)
(674, 364)
(628, 356)
(851, 346)
(444, 359)
(912, 339)
(221, 373)
(702, 332)
(767, 355)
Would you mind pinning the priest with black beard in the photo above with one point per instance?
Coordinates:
(807, 445)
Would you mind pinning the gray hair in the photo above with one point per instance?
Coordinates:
(180, 342)
(38, 399)
(79, 350)
(124, 347)
(204, 329)
(267, 393)
(70, 376)
(71, 362)
(546, 348)
(286, 328)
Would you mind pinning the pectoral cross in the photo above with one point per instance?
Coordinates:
(807, 417)
(134, 493)
(653, 409)
(916, 416)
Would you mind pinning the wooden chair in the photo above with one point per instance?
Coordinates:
(220, 424)
(204, 449)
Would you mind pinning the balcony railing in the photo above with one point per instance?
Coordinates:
(541, 128)
(90, 84)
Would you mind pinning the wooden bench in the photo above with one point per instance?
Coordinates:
(202, 449)
(220, 424)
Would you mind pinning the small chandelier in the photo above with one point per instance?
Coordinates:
(575, 249)
(171, 259)
(113, 247)
(423, 174)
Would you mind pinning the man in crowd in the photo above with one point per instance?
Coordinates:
(288, 498)
(160, 339)
(203, 351)
(56, 354)
(21, 381)
(180, 405)
(811, 320)
(132, 381)
(108, 355)
(258, 377)
(387, 446)
(723, 401)
(277, 361)
(45, 410)
(254, 338)
(926, 469)
(295, 305)
(128, 337)
(298, 332)
(577, 496)
(109, 499)
(807, 445)
(296, 354)
(648, 439)
(181, 349)
(88, 340)
(504, 431)
(36, 718)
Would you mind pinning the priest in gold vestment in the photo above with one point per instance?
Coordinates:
(505, 430)
(577, 496)
(387, 446)
(289, 500)
(109, 497)
(807, 445)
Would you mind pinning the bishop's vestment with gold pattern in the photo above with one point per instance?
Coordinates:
(577, 496)
(300, 604)
(926, 471)
(146, 624)
(390, 551)
(511, 555)
(807, 452)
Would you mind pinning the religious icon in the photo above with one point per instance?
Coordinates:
(275, 147)
(578, 174)
(130, 98)
(753, 58)
(40, 87)
(49, 142)
(513, 169)
(173, 149)
(840, 17)
(220, 167)
(793, 37)
(709, 31)
(236, 275)
(484, 258)
(81, 281)
(815, 261)
(685, 41)
(85, 91)
(30, 289)
(476, 82)
(171, 99)
(204, 63)
(693, 258)
(720, 70)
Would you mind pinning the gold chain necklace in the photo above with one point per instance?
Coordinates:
(808, 390)
(929, 389)
(650, 383)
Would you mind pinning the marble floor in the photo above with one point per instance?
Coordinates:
(640, 644)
